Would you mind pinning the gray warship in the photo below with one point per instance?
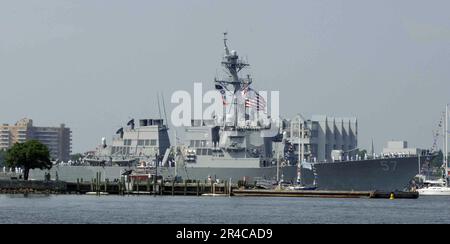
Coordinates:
(236, 147)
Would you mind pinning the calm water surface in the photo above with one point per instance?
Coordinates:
(202, 210)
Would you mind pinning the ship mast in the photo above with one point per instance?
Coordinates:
(233, 65)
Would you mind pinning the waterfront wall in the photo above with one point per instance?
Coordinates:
(36, 186)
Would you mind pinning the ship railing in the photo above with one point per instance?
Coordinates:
(234, 148)
(244, 128)
(253, 128)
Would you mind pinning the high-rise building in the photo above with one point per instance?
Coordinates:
(57, 139)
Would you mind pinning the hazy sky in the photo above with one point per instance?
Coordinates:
(95, 64)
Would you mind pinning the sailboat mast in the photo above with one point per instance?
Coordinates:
(176, 153)
(300, 151)
(446, 144)
(278, 164)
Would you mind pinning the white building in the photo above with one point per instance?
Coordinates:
(324, 134)
(399, 148)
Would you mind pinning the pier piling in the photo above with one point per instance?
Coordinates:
(173, 188)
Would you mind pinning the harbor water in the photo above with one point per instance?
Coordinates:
(81, 209)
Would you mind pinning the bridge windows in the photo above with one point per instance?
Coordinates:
(199, 143)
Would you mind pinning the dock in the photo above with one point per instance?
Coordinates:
(185, 188)
(326, 194)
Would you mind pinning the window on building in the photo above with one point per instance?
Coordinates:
(141, 142)
(147, 142)
(153, 142)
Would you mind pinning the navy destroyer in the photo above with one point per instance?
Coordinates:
(237, 147)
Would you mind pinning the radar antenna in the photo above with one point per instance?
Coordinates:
(227, 51)
(233, 65)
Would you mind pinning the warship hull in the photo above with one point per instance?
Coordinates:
(72, 173)
(388, 174)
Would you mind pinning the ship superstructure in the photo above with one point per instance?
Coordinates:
(146, 142)
(232, 140)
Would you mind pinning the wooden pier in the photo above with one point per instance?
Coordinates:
(186, 188)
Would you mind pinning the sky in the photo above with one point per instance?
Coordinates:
(95, 64)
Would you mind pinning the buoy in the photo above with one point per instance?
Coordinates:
(392, 197)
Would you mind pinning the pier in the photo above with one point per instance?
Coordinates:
(326, 194)
(185, 188)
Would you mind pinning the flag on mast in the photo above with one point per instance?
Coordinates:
(223, 93)
(253, 99)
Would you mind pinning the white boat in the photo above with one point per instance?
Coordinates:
(301, 188)
(435, 188)
(440, 187)
(215, 195)
(93, 193)
(435, 191)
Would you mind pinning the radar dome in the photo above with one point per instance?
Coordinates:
(103, 142)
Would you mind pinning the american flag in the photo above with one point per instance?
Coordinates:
(223, 93)
(253, 99)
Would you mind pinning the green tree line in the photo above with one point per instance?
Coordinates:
(2, 158)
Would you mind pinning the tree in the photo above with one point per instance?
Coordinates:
(436, 162)
(29, 155)
(76, 156)
(2, 158)
(362, 153)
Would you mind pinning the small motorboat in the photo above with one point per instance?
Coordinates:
(301, 188)
(215, 195)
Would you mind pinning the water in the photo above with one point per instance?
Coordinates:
(220, 210)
